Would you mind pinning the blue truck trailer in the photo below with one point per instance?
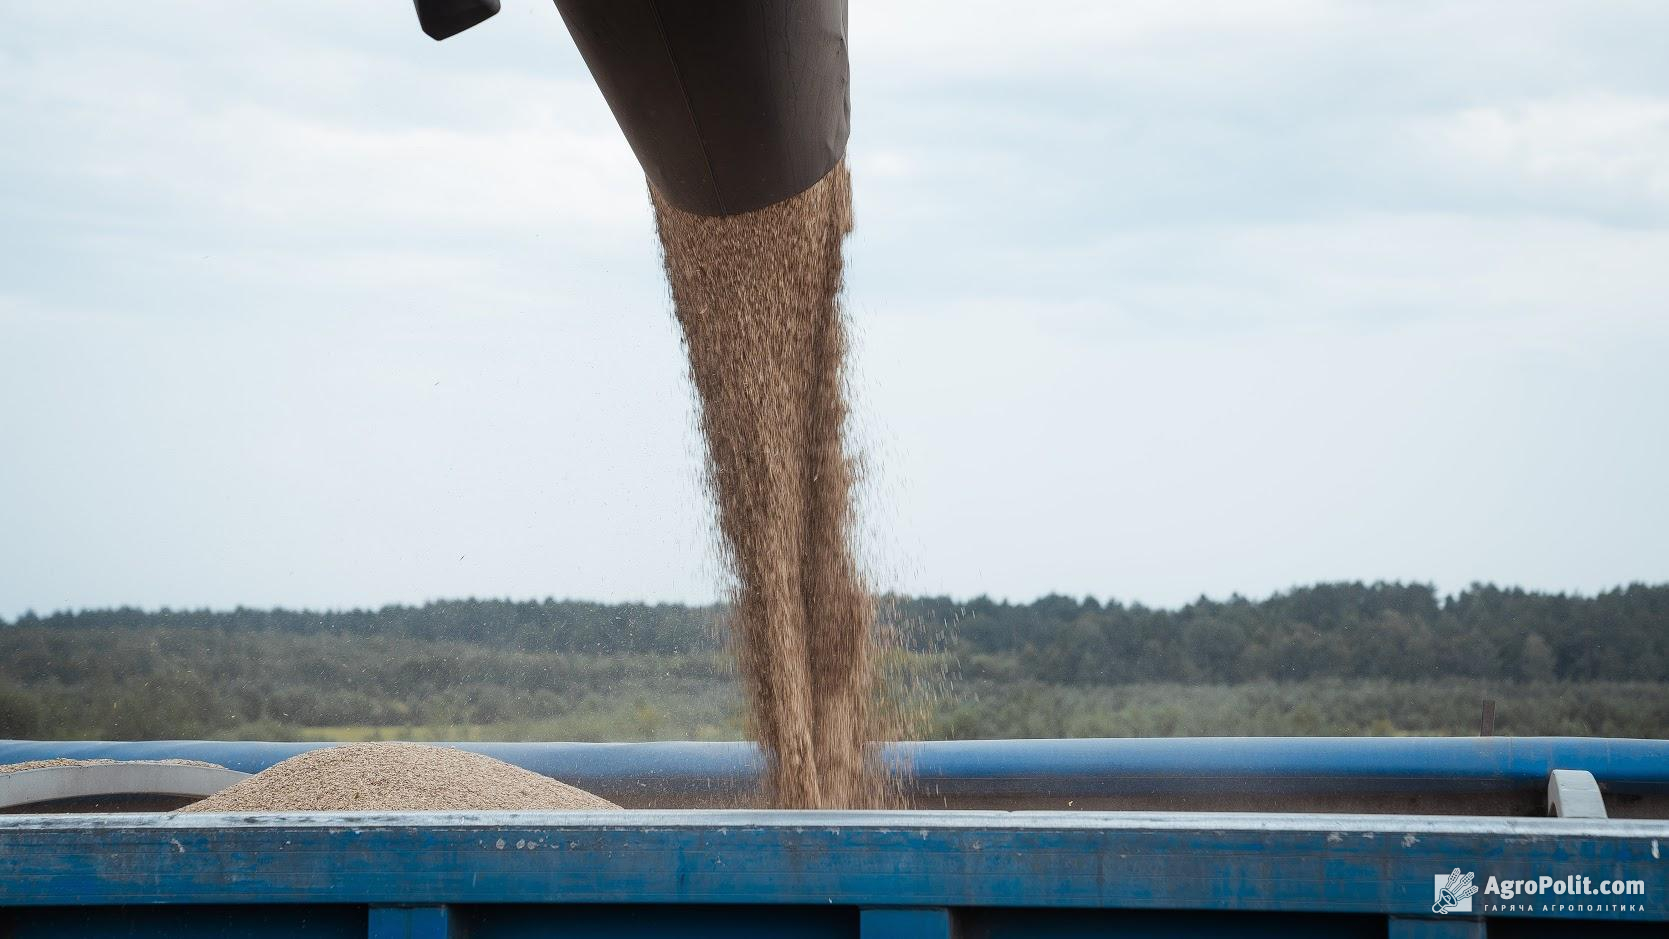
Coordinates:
(1045, 856)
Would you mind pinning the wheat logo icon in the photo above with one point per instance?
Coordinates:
(1454, 893)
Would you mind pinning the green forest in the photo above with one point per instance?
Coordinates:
(1340, 658)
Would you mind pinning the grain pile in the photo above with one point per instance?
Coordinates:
(395, 777)
(757, 296)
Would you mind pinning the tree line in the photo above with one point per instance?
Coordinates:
(1332, 658)
(1334, 630)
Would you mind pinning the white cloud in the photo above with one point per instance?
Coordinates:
(1380, 269)
(286, 171)
(530, 151)
(985, 39)
(1605, 146)
(1157, 298)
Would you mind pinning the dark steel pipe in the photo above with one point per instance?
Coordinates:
(730, 105)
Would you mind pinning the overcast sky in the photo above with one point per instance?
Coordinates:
(1153, 298)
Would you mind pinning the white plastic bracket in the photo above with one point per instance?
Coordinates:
(1574, 793)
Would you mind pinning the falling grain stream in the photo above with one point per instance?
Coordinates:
(758, 296)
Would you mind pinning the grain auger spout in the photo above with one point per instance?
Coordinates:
(730, 105)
